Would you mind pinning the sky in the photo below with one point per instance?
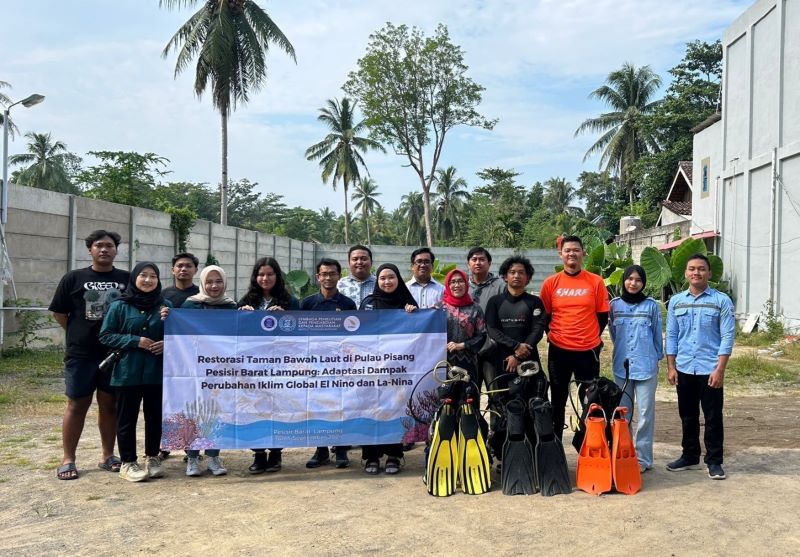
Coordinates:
(107, 87)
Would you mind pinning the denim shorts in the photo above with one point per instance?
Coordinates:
(82, 377)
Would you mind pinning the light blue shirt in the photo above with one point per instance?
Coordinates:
(636, 332)
(427, 295)
(700, 329)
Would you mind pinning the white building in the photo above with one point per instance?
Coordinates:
(746, 165)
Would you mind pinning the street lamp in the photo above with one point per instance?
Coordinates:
(27, 102)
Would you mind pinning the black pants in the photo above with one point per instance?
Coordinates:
(375, 452)
(693, 393)
(129, 399)
(562, 365)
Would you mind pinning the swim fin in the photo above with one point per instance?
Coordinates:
(474, 467)
(441, 473)
(517, 475)
(624, 463)
(594, 459)
(552, 474)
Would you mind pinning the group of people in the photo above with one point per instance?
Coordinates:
(494, 325)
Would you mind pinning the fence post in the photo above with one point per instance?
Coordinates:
(72, 231)
(236, 265)
(132, 239)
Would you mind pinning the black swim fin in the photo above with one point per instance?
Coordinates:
(517, 475)
(551, 464)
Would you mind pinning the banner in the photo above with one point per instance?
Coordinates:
(252, 379)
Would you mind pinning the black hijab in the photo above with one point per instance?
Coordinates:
(639, 296)
(394, 300)
(139, 299)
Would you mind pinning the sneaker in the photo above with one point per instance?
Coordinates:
(259, 465)
(132, 472)
(321, 456)
(193, 466)
(683, 463)
(342, 460)
(215, 466)
(273, 461)
(715, 472)
(153, 466)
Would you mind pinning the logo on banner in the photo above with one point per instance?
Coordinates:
(351, 323)
(269, 323)
(287, 323)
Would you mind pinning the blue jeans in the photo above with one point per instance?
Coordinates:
(643, 392)
(209, 452)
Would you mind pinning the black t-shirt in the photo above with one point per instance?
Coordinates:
(317, 302)
(511, 320)
(177, 296)
(84, 295)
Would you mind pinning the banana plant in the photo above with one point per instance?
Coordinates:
(667, 270)
(440, 270)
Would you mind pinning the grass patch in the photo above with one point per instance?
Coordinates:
(16, 440)
(51, 398)
(751, 368)
(21, 461)
(760, 338)
(42, 363)
(792, 351)
(94, 497)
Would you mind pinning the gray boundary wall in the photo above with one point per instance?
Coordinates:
(46, 230)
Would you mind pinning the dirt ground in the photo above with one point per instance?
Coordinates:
(343, 512)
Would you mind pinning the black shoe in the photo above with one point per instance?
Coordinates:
(259, 465)
(342, 460)
(321, 456)
(408, 447)
(163, 455)
(715, 472)
(273, 461)
(683, 463)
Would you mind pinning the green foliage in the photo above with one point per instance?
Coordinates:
(123, 177)
(668, 271)
(598, 190)
(773, 323)
(413, 90)
(29, 323)
(211, 260)
(181, 222)
(298, 282)
(49, 165)
(440, 270)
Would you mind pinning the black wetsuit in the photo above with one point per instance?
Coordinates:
(511, 320)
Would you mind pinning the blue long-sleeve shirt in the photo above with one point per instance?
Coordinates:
(636, 332)
(700, 329)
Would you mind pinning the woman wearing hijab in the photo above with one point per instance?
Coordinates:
(213, 284)
(635, 327)
(134, 327)
(466, 329)
(390, 293)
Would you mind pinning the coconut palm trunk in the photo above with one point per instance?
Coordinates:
(223, 184)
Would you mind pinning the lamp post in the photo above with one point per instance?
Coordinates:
(27, 102)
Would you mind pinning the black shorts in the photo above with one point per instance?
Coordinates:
(82, 376)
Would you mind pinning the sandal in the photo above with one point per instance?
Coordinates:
(67, 471)
(372, 467)
(392, 465)
(111, 464)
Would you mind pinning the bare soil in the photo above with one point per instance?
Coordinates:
(335, 512)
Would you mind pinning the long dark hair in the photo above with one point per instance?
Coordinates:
(280, 296)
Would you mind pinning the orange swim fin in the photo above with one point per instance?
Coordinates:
(624, 463)
(594, 458)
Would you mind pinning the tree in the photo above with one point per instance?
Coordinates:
(366, 190)
(413, 90)
(5, 101)
(339, 154)
(198, 198)
(412, 209)
(48, 164)
(598, 190)
(692, 97)
(230, 39)
(451, 194)
(558, 197)
(123, 177)
(628, 92)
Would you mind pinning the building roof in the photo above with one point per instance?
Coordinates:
(686, 166)
(708, 122)
(678, 207)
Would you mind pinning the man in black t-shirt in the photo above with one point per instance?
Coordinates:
(184, 268)
(79, 305)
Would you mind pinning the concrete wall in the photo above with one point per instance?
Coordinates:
(655, 237)
(759, 217)
(706, 152)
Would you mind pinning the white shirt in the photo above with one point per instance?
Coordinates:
(426, 295)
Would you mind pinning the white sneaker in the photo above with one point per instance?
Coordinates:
(215, 466)
(153, 466)
(132, 472)
(193, 466)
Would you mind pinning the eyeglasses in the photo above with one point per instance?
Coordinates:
(422, 262)
(328, 275)
(457, 282)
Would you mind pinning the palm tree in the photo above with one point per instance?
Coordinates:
(230, 39)
(366, 190)
(559, 195)
(46, 162)
(451, 194)
(629, 92)
(5, 101)
(338, 153)
(412, 209)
